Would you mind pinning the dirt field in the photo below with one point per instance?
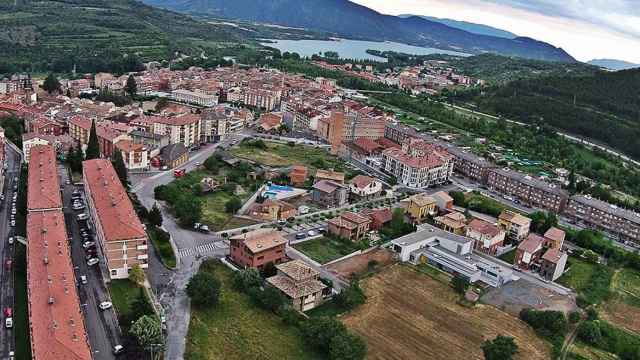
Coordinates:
(408, 315)
(359, 264)
(517, 295)
(622, 314)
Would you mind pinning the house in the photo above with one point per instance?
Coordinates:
(379, 217)
(364, 187)
(257, 248)
(299, 283)
(454, 222)
(330, 175)
(529, 252)
(174, 155)
(488, 237)
(443, 201)
(272, 210)
(270, 122)
(421, 206)
(135, 155)
(349, 226)
(329, 194)
(298, 175)
(554, 238)
(515, 225)
(553, 263)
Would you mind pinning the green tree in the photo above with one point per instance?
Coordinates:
(136, 275)
(246, 279)
(272, 299)
(351, 296)
(155, 216)
(459, 284)
(204, 289)
(140, 306)
(589, 332)
(319, 331)
(93, 147)
(347, 346)
(120, 167)
(500, 348)
(148, 333)
(51, 84)
(131, 88)
(233, 205)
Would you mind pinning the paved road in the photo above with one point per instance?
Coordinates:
(7, 339)
(102, 326)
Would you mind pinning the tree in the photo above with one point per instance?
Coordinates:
(120, 167)
(319, 331)
(500, 348)
(204, 289)
(589, 332)
(155, 216)
(131, 87)
(351, 296)
(148, 332)
(136, 275)
(245, 279)
(272, 299)
(459, 284)
(140, 306)
(93, 147)
(347, 346)
(51, 84)
(233, 205)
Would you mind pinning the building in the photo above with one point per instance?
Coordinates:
(272, 210)
(79, 129)
(418, 164)
(454, 222)
(444, 202)
(262, 98)
(270, 122)
(183, 129)
(554, 238)
(553, 263)
(119, 232)
(298, 175)
(515, 225)
(214, 126)
(56, 323)
(528, 190)
(529, 252)
(32, 139)
(257, 248)
(195, 98)
(299, 283)
(420, 207)
(596, 214)
(365, 187)
(135, 155)
(342, 127)
(174, 155)
(329, 175)
(451, 253)
(329, 194)
(470, 165)
(44, 186)
(399, 133)
(379, 217)
(488, 237)
(349, 226)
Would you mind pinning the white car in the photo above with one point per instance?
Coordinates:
(13, 223)
(88, 244)
(82, 216)
(105, 305)
(118, 349)
(311, 233)
(83, 279)
(92, 262)
(10, 240)
(8, 323)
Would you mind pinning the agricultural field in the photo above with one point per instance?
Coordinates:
(409, 315)
(237, 329)
(624, 308)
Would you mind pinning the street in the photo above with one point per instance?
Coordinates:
(102, 326)
(12, 161)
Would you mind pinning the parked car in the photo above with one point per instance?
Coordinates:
(105, 305)
(13, 223)
(300, 236)
(88, 244)
(83, 279)
(311, 233)
(92, 261)
(10, 240)
(82, 216)
(118, 349)
(7, 264)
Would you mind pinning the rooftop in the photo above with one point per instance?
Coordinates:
(329, 175)
(296, 290)
(532, 243)
(422, 199)
(297, 270)
(555, 234)
(531, 181)
(607, 208)
(261, 239)
(44, 185)
(553, 255)
(515, 218)
(362, 181)
(484, 227)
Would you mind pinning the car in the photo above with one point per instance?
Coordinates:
(13, 211)
(92, 261)
(282, 222)
(83, 279)
(78, 207)
(311, 233)
(301, 236)
(88, 244)
(8, 312)
(8, 323)
(118, 349)
(13, 223)
(7, 264)
(68, 182)
(1, 197)
(198, 164)
(82, 216)
(10, 240)
(105, 305)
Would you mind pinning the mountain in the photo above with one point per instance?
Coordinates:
(98, 35)
(474, 28)
(613, 64)
(347, 19)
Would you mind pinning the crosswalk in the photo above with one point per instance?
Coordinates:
(202, 249)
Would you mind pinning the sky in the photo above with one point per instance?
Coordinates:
(586, 29)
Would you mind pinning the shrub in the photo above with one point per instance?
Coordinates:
(574, 317)
(351, 296)
(204, 289)
(500, 348)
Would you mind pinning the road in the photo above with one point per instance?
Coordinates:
(102, 326)
(7, 339)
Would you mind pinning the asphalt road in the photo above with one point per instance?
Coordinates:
(7, 339)
(102, 326)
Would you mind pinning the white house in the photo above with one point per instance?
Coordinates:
(365, 187)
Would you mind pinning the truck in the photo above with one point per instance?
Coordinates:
(179, 173)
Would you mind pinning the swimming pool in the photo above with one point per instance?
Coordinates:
(277, 188)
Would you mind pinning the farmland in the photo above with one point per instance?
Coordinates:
(409, 315)
(283, 155)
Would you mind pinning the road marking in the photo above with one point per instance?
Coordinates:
(202, 249)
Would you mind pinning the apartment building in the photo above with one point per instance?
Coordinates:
(515, 225)
(79, 129)
(184, 128)
(418, 164)
(470, 165)
(530, 191)
(257, 248)
(195, 98)
(32, 139)
(343, 127)
(119, 232)
(213, 126)
(44, 186)
(596, 214)
(265, 99)
(135, 155)
(399, 133)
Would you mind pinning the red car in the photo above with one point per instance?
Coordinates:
(7, 264)
(8, 312)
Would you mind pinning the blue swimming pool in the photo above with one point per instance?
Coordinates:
(276, 188)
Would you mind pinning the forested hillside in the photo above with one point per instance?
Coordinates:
(604, 107)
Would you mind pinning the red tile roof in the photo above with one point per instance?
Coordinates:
(129, 146)
(367, 145)
(180, 120)
(81, 121)
(57, 324)
(555, 234)
(532, 243)
(484, 227)
(362, 181)
(44, 186)
(553, 255)
(112, 204)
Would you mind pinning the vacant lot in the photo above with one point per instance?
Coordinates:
(237, 329)
(592, 281)
(326, 249)
(281, 155)
(359, 264)
(521, 294)
(624, 308)
(408, 315)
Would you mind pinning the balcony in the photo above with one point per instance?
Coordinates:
(143, 257)
(142, 247)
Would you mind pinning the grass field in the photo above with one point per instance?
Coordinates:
(591, 281)
(280, 155)
(585, 351)
(237, 329)
(326, 249)
(123, 292)
(509, 257)
(624, 308)
(409, 315)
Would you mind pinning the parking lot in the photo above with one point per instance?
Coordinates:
(102, 325)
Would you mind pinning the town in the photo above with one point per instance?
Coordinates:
(133, 191)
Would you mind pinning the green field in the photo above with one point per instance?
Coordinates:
(326, 249)
(123, 292)
(238, 329)
(509, 257)
(592, 281)
(281, 155)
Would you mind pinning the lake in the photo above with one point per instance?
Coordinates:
(352, 49)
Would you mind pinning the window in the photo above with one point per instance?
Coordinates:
(114, 272)
(260, 257)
